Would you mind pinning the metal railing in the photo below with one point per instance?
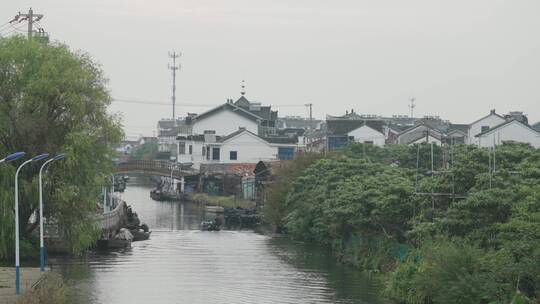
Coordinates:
(158, 167)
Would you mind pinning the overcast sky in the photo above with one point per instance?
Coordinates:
(459, 58)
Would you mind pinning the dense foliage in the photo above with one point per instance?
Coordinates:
(446, 223)
(53, 100)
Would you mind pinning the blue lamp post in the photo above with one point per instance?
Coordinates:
(17, 258)
(12, 157)
(41, 242)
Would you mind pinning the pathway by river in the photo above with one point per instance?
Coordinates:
(181, 264)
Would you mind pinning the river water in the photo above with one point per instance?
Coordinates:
(181, 264)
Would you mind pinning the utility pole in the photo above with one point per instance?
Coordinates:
(310, 105)
(30, 18)
(174, 68)
(412, 106)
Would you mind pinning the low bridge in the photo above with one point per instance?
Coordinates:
(156, 167)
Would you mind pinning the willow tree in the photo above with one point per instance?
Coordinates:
(53, 100)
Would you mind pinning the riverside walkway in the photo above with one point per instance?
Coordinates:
(29, 278)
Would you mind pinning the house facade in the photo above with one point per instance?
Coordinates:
(367, 134)
(508, 131)
(482, 125)
(241, 146)
(224, 120)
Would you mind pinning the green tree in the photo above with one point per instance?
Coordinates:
(54, 100)
(146, 151)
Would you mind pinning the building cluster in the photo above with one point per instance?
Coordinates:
(487, 131)
(245, 132)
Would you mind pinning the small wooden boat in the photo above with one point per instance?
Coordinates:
(209, 226)
(140, 234)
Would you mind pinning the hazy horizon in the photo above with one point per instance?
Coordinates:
(459, 59)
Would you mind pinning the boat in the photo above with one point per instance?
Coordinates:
(140, 235)
(210, 226)
(160, 195)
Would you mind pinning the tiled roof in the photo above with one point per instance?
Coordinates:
(166, 124)
(504, 124)
(231, 107)
(536, 126)
(233, 134)
(281, 140)
(264, 112)
(271, 139)
(343, 126)
(459, 127)
(168, 133)
(242, 169)
(492, 112)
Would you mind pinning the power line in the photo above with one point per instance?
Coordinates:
(158, 103)
(11, 28)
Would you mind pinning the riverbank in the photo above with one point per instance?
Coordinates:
(464, 232)
(29, 278)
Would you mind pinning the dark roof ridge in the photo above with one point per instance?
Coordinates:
(492, 112)
(506, 123)
(234, 108)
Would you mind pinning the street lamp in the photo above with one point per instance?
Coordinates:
(112, 191)
(17, 259)
(41, 243)
(12, 157)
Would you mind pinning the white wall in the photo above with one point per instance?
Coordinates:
(365, 133)
(514, 131)
(196, 158)
(476, 128)
(249, 148)
(224, 122)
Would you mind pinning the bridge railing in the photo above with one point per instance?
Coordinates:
(156, 165)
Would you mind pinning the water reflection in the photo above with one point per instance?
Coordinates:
(181, 264)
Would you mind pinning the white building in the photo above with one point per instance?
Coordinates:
(367, 134)
(241, 146)
(511, 130)
(482, 125)
(224, 120)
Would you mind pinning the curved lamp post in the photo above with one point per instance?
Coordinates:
(17, 259)
(41, 242)
(12, 157)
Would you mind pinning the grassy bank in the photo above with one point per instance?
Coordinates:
(222, 201)
(51, 290)
(463, 232)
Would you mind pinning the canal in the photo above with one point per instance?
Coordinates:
(181, 264)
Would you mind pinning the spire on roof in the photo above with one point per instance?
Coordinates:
(243, 92)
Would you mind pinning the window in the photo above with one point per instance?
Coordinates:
(182, 148)
(233, 155)
(485, 128)
(215, 153)
(369, 142)
(203, 151)
(190, 149)
(285, 153)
